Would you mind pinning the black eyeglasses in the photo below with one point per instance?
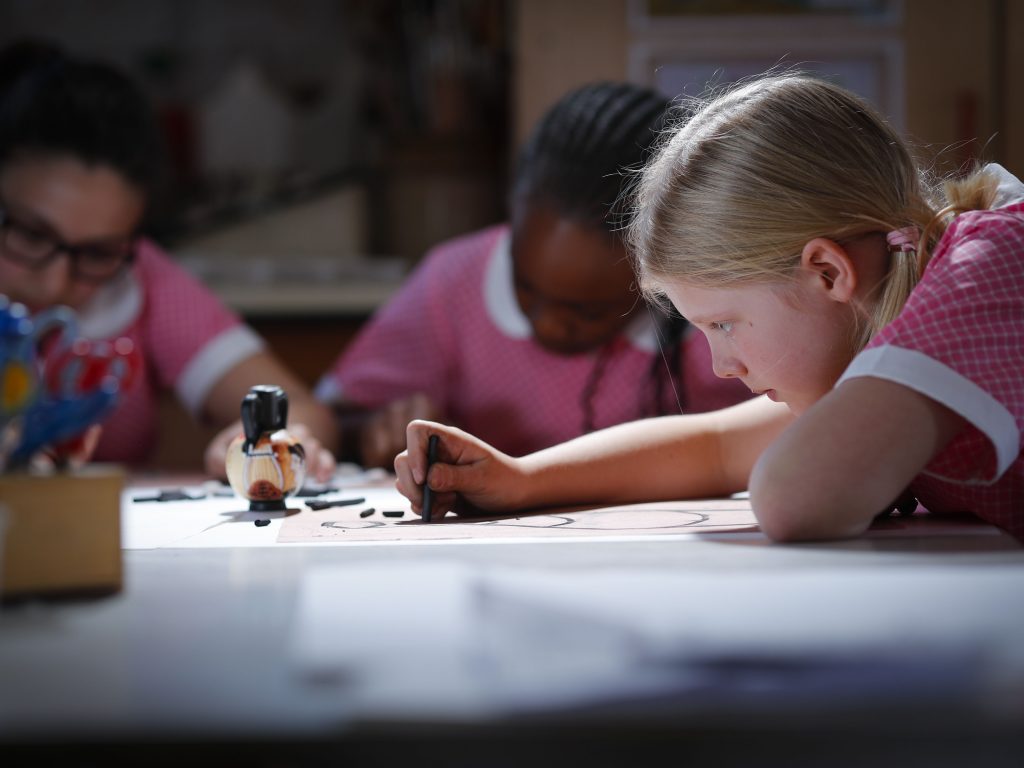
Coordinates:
(34, 248)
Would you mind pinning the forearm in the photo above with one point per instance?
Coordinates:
(669, 457)
(702, 455)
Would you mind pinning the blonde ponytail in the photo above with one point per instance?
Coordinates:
(736, 192)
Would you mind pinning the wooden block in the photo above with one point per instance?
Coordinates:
(62, 532)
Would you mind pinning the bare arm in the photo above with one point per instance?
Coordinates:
(849, 456)
(702, 455)
(308, 419)
(670, 457)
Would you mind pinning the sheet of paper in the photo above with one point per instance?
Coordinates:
(789, 612)
(419, 642)
(226, 522)
(625, 521)
(218, 521)
(445, 640)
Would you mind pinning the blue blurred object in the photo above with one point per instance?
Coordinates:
(53, 420)
(19, 380)
(54, 384)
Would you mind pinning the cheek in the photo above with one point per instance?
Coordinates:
(15, 282)
(79, 294)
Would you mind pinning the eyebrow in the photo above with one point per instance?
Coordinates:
(590, 304)
(701, 319)
(30, 218)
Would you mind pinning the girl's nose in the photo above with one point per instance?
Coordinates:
(550, 327)
(727, 366)
(54, 280)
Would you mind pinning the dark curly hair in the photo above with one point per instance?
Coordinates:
(575, 160)
(51, 103)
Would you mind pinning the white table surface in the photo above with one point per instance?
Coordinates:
(195, 649)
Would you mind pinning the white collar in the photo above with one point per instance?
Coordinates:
(503, 308)
(1010, 190)
(113, 308)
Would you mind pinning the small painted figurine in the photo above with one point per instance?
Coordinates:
(266, 464)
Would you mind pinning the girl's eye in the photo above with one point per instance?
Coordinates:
(724, 327)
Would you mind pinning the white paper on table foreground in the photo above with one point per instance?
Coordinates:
(447, 639)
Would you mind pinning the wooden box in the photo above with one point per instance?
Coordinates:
(61, 532)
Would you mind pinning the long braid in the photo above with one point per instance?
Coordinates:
(577, 163)
(592, 384)
(666, 369)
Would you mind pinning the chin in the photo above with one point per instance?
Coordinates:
(566, 350)
(799, 406)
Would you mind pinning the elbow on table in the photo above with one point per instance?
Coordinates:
(778, 518)
(784, 524)
(789, 511)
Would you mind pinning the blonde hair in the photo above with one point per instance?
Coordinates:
(737, 191)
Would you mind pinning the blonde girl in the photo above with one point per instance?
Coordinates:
(881, 320)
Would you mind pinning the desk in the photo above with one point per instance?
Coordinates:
(190, 663)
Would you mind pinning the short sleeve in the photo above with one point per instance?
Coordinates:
(191, 338)
(407, 346)
(960, 341)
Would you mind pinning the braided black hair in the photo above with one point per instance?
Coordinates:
(576, 158)
(53, 104)
(576, 163)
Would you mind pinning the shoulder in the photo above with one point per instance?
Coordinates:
(978, 257)
(998, 234)
(150, 257)
(163, 279)
(160, 275)
(474, 248)
(959, 339)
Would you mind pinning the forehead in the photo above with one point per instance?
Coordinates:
(570, 260)
(79, 201)
(705, 304)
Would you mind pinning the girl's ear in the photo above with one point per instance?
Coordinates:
(829, 267)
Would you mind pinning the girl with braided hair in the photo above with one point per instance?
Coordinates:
(532, 333)
(879, 316)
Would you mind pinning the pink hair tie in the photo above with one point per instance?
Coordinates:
(905, 239)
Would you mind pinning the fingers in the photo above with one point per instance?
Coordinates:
(466, 474)
(320, 462)
(417, 435)
(86, 446)
(90, 440)
(326, 466)
(384, 433)
(215, 457)
(406, 484)
(408, 487)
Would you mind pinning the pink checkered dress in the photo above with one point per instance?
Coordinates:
(188, 339)
(456, 333)
(960, 341)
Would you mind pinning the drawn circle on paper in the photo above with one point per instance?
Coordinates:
(611, 520)
(352, 525)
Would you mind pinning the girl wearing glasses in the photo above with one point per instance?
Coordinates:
(79, 159)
